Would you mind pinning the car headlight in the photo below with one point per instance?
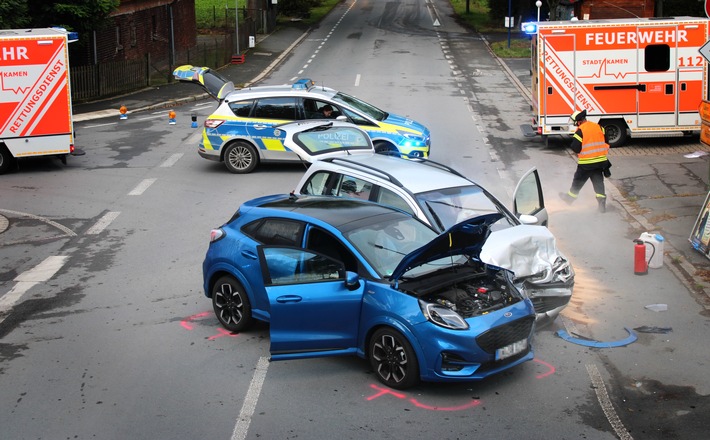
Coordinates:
(443, 316)
(411, 139)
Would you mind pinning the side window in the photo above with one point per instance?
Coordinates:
(276, 108)
(356, 119)
(242, 108)
(657, 58)
(323, 242)
(354, 188)
(317, 184)
(390, 198)
(275, 232)
(294, 266)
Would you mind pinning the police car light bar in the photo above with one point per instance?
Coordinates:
(529, 27)
(303, 83)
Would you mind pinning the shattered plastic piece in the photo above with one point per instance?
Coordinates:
(598, 344)
(652, 329)
(695, 154)
(657, 307)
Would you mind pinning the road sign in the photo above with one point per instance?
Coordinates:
(707, 8)
(705, 50)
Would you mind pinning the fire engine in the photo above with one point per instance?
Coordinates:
(35, 95)
(633, 76)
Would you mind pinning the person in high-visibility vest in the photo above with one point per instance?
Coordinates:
(590, 145)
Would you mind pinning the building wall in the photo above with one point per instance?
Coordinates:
(142, 27)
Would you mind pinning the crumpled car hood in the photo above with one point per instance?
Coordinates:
(524, 249)
(465, 238)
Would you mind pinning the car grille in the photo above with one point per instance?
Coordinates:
(506, 334)
(544, 304)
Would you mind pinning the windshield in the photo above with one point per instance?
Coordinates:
(384, 244)
(449, 206)
(361, 106)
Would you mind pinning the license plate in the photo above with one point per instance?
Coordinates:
(512, 349)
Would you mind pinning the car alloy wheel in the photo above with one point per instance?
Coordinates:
(240, 158)
(392, 358)
(231, 305)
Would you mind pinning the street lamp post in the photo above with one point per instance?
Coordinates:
(538, 3)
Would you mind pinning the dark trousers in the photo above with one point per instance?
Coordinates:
(583, 173)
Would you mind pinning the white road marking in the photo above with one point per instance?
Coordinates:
(104, 221)
(170, 161)
(30, 278)
(140, 189)
(357, 80)
(605, 402)
(257, 381)
(101, 125)
(62, 228)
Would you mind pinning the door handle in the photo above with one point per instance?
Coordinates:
(249, 255)
(288, 299)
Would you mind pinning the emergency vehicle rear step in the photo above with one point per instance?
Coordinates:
(528, 130)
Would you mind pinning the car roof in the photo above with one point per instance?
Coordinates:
(281, 90)
(344, 214)
(417, 176)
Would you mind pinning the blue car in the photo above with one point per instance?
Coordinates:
(337, 276)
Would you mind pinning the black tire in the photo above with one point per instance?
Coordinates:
(384, 147)
(615, 132)
(393, 360)
(240, 157)
(231, 304)
(7, 162)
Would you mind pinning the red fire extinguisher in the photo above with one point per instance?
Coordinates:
(640, 263)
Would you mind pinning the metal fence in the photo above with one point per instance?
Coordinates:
(92, 82)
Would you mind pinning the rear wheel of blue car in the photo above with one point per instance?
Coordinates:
(240, 157)
(393, 359)
(231, 304)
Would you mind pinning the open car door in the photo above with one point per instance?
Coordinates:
(322, 139)
(528, 199)
(315, 304)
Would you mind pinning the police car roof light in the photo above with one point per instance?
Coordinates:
(303, 83)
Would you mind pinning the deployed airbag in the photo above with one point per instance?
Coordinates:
(524, 249)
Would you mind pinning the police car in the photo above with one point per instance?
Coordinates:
(244, 130)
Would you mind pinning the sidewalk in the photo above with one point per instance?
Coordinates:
(659, 188)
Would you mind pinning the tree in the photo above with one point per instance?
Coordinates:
(13, 14)
(74, 15)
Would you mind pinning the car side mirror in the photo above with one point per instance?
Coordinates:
(352, 280)
(528, 219)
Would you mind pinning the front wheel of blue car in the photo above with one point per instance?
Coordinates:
(393, 359)
(231, 304)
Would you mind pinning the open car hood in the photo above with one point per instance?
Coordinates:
(524, 249)
(465, 238)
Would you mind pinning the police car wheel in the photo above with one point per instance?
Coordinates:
(383, 147)
(240, 157)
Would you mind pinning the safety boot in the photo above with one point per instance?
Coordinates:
(567, 197)
(601, 202)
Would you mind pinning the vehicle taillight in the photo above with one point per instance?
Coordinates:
(71, 148)
(216, 234)
(213, 123)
